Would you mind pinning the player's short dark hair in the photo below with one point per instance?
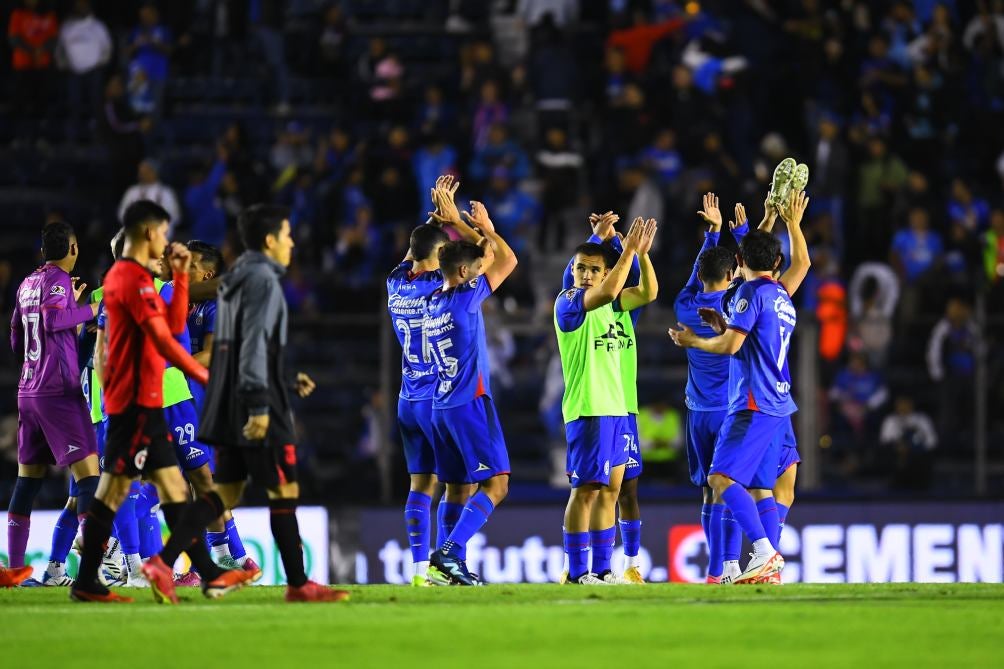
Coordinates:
(760, 251)
(602, 250)
(56, 238)
(454, 254)
(141, 212)
(714, 264)
(424, 239)
(258, 222)
(210, 254)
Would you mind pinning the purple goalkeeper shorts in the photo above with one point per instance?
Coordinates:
(54, 430)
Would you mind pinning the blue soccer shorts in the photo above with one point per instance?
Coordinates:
(627, 435)
(468, 442)
(702, 433)
(414, 420)
(747, 448)
(788, 456)
(595, 446)
(183, 424)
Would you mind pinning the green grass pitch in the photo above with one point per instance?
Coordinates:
(514, 626)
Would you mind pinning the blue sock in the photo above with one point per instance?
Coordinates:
(446, 519)
(602, 544)
(631, 537)
(732, 537)
(706, 521)
(237, 550)
(473, 518)
(86, 487)
(744, 511)
(125, 521)
(577, 550)
(782, 516)
(767, 508)
(62, 535)
(715, 540)
(150, 539)
(417, 522)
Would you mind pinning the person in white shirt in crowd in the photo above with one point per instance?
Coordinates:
(912, 438)
(874, 294)
(85, 47)
(151, 188)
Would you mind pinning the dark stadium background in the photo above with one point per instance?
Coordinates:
(345, 111)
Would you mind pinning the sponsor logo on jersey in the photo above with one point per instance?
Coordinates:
(615, 339)
(57, 290)
(71, 448)
(194, 452)
(482, 467)
(742, 305)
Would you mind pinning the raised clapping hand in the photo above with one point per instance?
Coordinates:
(710, 213)
(478, 218)
(603, 224)
(446, 212)
(740, 214)
(639, 237)
(795, 208)
(304, 384)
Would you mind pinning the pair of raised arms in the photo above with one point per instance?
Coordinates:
(637, 243)
(499, 260)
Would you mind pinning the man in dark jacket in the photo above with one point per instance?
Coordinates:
(247, 388)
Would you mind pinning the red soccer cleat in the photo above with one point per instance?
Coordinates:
(109, 598)
(189, 579)
(12, 576)
(252, 568)
(716, 580)
(315, 592)
(161, 580)
(228, 581)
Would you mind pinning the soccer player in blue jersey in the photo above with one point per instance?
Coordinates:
(468, 440)
(759, 394)
(224, 539)
(707, 374)
(628, 508)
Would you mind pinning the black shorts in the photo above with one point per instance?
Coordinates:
(138, 441)
(268, 466)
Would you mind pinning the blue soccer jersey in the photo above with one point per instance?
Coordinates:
(407, 297)
(707, 373)
(758, 372)
(201, 322)
(456, 333)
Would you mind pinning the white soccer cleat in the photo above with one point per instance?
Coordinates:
(590, 579)
(55, 575)
(137, 581)
(761, 567)
(614, 579)
(730, 572)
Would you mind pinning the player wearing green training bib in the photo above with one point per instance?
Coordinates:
(592, 339)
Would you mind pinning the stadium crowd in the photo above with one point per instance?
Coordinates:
(547, 110)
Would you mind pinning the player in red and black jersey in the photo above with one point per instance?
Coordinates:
(140, 330)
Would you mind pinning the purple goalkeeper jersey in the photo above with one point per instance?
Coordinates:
(43, 327)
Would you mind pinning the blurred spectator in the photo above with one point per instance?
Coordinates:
(265, 22)
(499, 151)
(501, 348)
(85, 47)
(616, 75)
(122, 133)
(489, 112)
(203, 204)
(993, 255)
(331, 42)
(561, 169)
(150, 187)
(829, 296)
(148, 48)
(435, 114)
(299, 291)
(561, 12)
(32, 33)
(357, 250)
(554, 74)
(858, 393)
(879, 179)
(829, 173)
(435, 158)
(964, 209)
(638, 39)
(911, 436)
(515, 213)
(662, 159)
(660, 437)
(951, 362)
(292, 149)
(334, 156)
(917, 249)
(874, 293)
(394, 197)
